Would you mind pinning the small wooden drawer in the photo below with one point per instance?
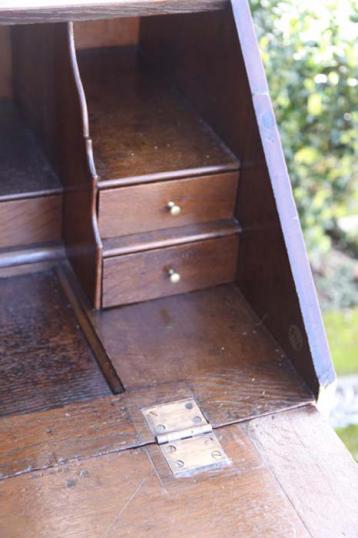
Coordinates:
(148, 275)
(153, 206)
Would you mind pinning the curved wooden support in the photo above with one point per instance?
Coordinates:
(76, 162)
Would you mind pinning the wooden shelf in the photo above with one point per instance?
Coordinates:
(24, 170)
(209, 339)
(127, 244)
(142, 129)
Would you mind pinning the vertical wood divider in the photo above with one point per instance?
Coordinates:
(49, 92)
(80, 231)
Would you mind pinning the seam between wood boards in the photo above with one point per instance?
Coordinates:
(276, 479)
(136, 445)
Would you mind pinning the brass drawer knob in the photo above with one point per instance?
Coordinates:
(174, 277)
(174, 209)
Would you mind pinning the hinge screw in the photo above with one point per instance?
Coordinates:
(161, 427)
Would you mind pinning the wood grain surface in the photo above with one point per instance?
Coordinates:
(5, 63)
(145, 275)
(277, 485)
(116, 423)
(30, 220)
(140, 126)
(130, 210)
(80, 230)
(106, 33)
(209, 339)
(316, 472)
(24, 169)
(25, 11)
(45, 360)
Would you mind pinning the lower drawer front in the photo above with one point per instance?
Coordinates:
(157, 273)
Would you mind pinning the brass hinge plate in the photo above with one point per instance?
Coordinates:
(185, 437)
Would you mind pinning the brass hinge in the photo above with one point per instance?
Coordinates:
(185, 437)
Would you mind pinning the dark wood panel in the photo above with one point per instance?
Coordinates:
(80, 230)
(47, 439)
(23, 11)
(116, 423)
(73, 291)
(116, 246)
(225, 49)
(140, 126)
(314, 469)
(45, 360)
(130, 210)
(106, 33)
(81, 430)
(124, 495)
(35, 91)
(24, 169)
(263, 493)
(29, 221)
(210, 338)
(5, 63)
(54, 103)
(260, 494)
(142, 276)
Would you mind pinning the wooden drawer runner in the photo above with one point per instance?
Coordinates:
(145, 275)
(135, 209)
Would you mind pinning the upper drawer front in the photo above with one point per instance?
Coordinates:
(146, 275)
(142, 208)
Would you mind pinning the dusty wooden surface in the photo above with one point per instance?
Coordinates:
(45, 360)
(133, 493)
(140, 127)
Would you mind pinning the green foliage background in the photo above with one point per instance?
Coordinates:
(309, 48)
(309, 51)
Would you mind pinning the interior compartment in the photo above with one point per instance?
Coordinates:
(141, 126)
(30, 189)
(140, 117)
(152, 151)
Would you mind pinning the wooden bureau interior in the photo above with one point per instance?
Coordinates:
(139, 240)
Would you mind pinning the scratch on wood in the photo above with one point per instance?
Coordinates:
(125, 506)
